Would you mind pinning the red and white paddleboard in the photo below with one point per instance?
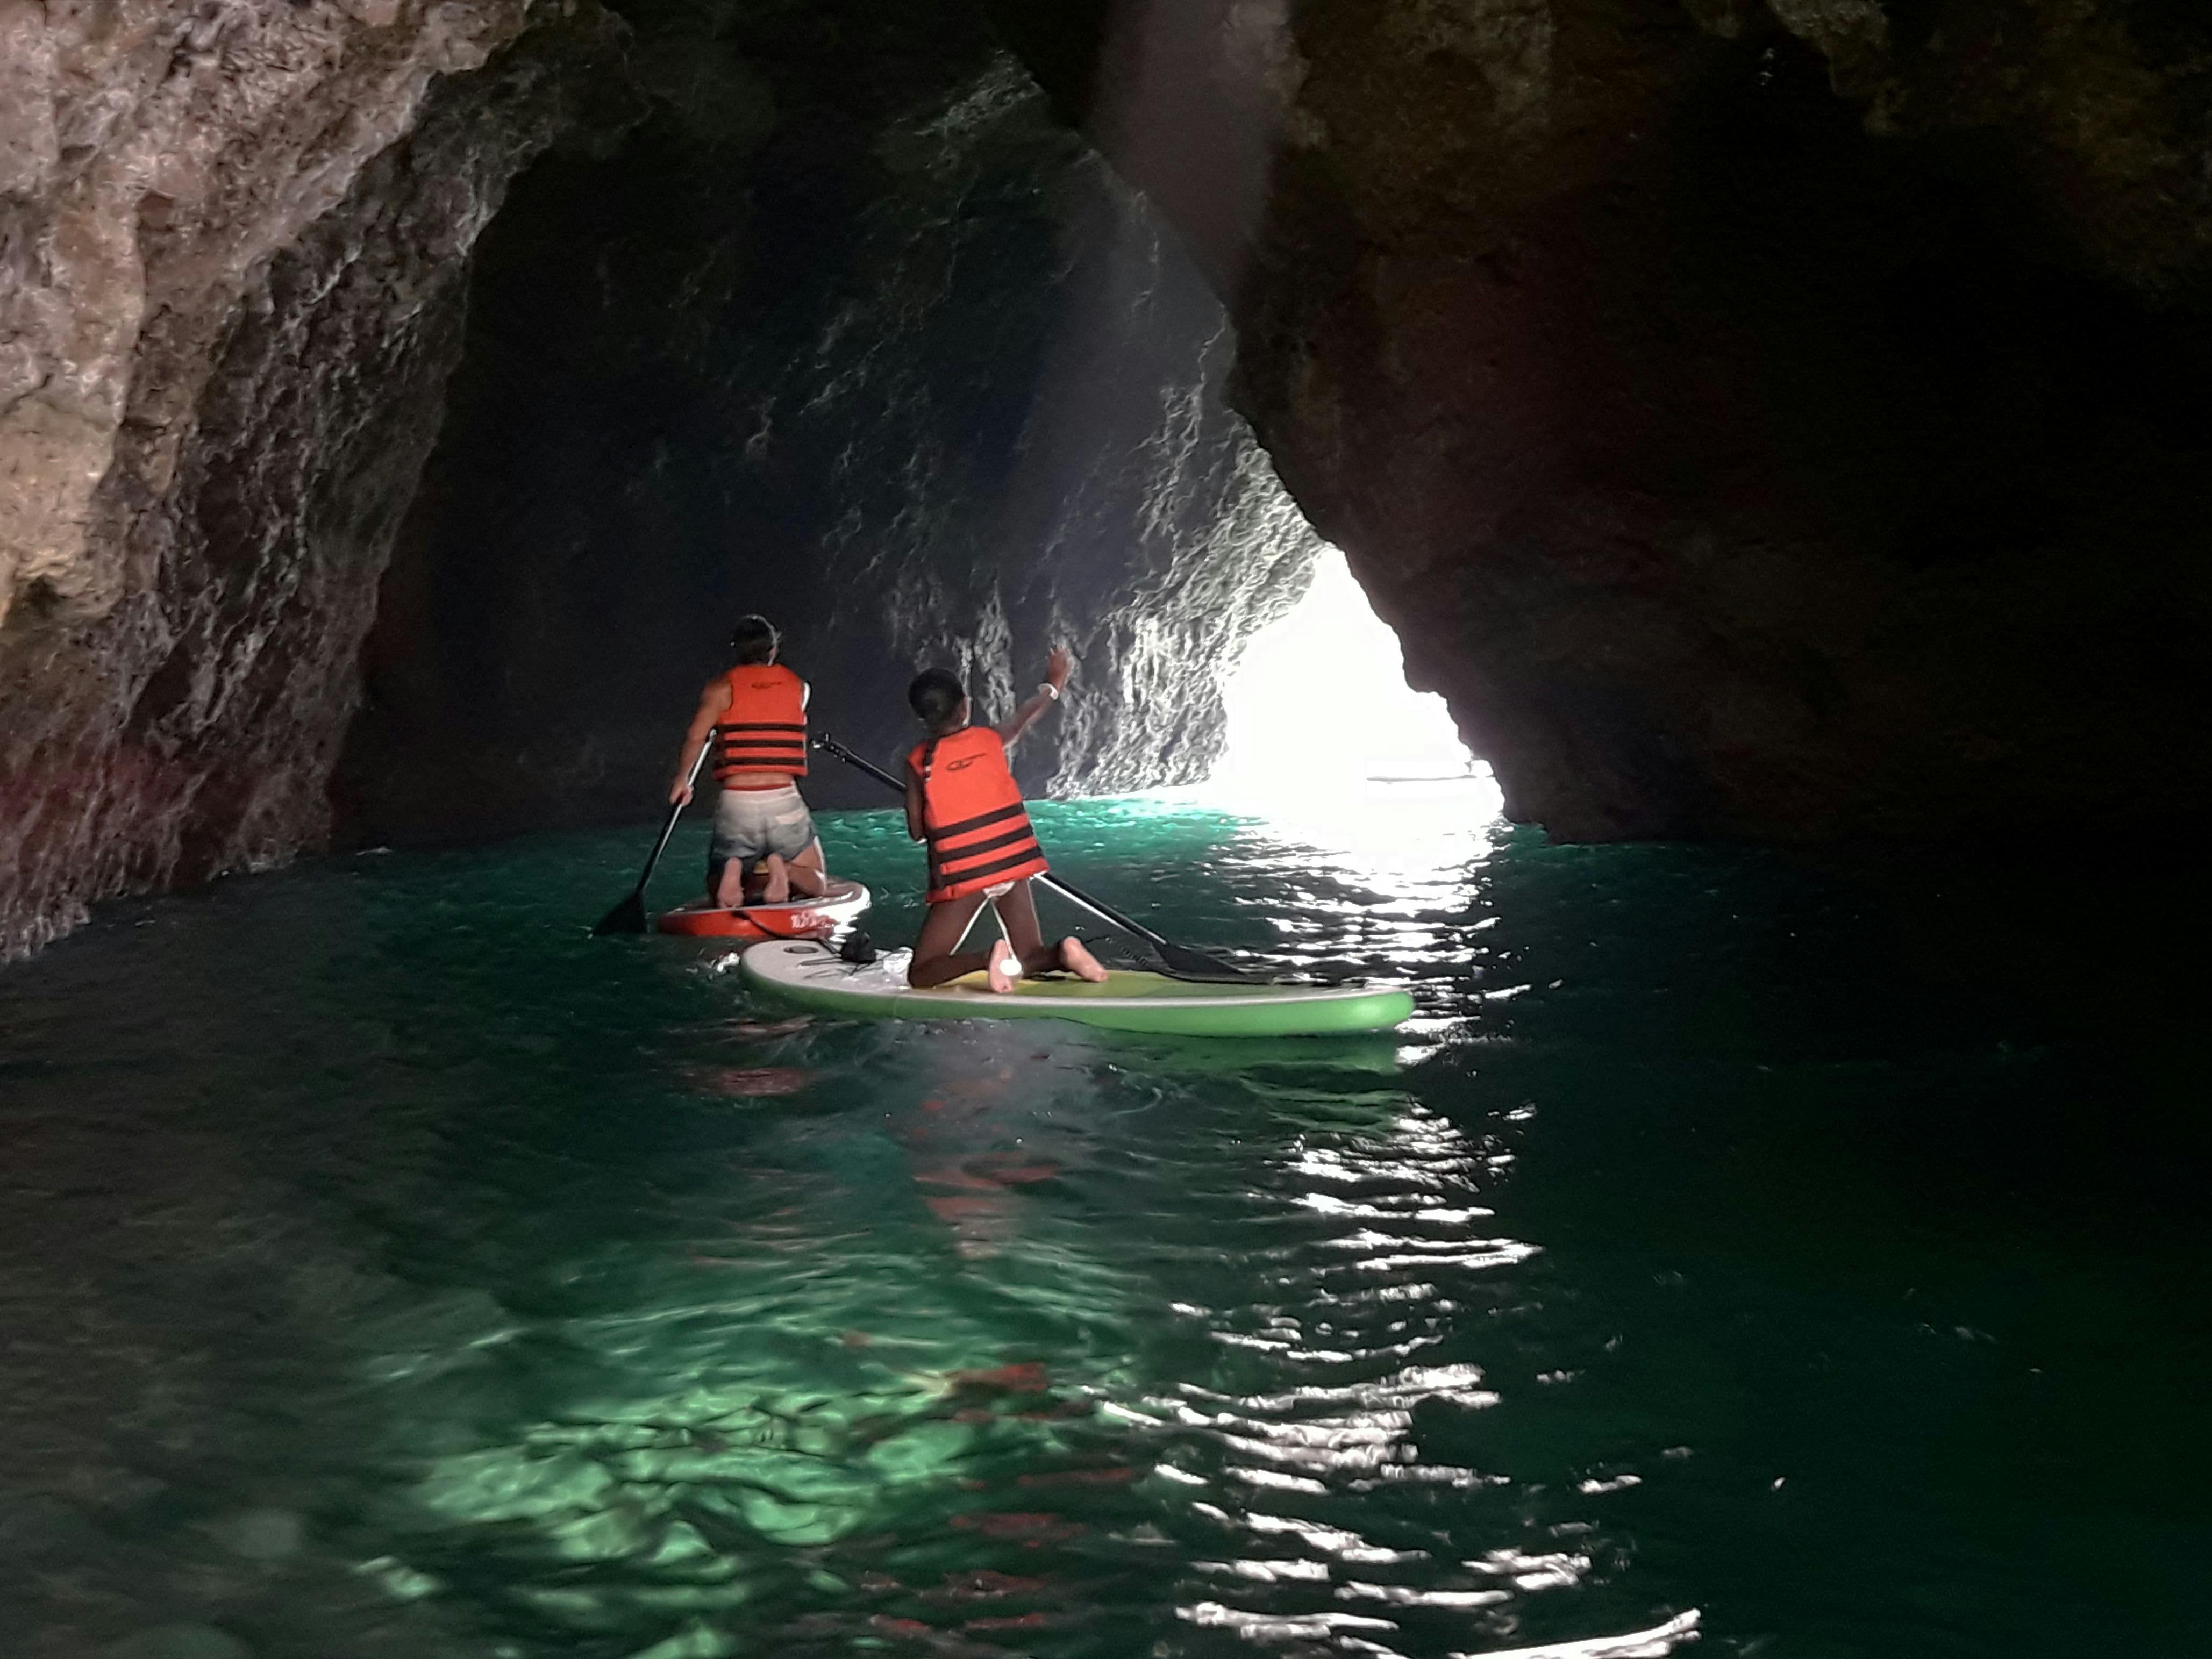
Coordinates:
(801, 918)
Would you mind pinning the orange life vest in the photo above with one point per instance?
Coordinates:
(764, 727)
(972, 816)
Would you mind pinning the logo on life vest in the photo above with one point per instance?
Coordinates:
(962, 765)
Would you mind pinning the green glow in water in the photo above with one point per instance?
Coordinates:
(411, 1273)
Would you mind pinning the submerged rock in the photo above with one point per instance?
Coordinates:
(262, 1535)
(178, 1642)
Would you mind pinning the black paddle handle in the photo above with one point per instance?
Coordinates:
(829, 745)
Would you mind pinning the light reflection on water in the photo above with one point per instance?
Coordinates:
(406, 1274)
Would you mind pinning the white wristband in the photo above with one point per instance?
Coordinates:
(1050, 690)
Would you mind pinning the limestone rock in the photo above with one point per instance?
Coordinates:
(847, 328)
(231, 238)
(916, 374)
(1771, 420)
(1777, 418)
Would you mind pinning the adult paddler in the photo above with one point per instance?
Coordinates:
(754, 715)
(963, 802)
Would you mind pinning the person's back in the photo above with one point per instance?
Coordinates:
(753, 719)
(963, 805)
(760, 732)
(976, 829)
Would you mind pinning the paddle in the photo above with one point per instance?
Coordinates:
(1181, 960)
(629, 916)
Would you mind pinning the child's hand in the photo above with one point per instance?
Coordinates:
(679, 792)
(1058, 665)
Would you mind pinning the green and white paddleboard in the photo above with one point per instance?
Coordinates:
(804, 972)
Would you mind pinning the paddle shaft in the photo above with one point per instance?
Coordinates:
(1105, 912)
(668, 830)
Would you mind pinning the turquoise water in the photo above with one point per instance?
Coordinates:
(390, 1269)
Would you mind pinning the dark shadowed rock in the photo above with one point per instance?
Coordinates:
(901, 364)
(1787, 422)
(816, 310)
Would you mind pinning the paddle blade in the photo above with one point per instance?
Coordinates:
(627, 917)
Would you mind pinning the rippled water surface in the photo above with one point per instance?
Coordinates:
(390, 1269)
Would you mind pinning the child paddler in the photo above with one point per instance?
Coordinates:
(755, 716)
(961, 800)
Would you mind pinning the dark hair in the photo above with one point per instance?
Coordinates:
(935, 696)
(755, 639)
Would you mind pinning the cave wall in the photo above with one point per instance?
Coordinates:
(853, 332)
(814, 309)
(1783, 419)
(1789, 420)
(231, 239)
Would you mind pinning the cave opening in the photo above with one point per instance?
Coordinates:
(1319, 716)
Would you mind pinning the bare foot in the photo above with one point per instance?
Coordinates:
(778, 890)
(730, 893)
(1006, 966)
(1080, 961)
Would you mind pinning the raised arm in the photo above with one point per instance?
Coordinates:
(1055, 681)
(713, 703)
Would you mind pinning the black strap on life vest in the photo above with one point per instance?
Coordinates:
(1017, 844)
(778, 743)
(944, 875)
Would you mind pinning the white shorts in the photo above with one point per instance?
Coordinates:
(751, 824)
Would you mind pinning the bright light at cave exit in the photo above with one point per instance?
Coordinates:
(1320, 714)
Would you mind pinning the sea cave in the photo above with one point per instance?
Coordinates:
(1630, 574)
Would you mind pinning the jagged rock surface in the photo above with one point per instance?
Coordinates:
(848, 329)
(884, 352)
(1786, 420)
(1783, 420)
(231, 238)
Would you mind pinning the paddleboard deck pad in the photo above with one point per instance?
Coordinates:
(814, 976)
(802, 918)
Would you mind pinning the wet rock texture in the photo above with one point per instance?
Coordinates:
(1787, 420)
(855, 332)
(231, 240)
(1784, 420)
